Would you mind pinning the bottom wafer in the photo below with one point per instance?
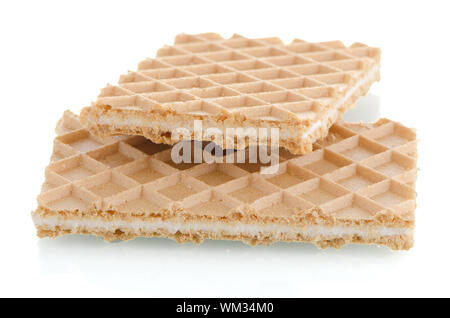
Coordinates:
(358, 186)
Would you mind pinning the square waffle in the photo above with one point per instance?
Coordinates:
(357, 186)
(300, 88)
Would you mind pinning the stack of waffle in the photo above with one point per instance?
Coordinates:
(112, 171)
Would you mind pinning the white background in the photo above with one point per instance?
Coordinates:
(56, 56)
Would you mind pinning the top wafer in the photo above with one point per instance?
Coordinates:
(301, 88)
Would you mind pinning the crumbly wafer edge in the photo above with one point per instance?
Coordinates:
(395, 239)
(317, 131)
(116, 226)
(105, 121)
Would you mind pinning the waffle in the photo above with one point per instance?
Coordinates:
(300, 88)
(357, 186)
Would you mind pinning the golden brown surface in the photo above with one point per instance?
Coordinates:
(361, 175)
(301, 88)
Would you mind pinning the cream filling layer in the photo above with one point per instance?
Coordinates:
(173, 124)
(285, 134)
(275, 230)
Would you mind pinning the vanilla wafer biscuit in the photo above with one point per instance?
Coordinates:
(357, 186)
(300, 88)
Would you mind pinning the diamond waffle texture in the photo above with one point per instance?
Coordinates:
(301, 88)
(361, 175)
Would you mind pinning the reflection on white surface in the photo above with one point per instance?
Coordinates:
(367, 109)
(162, 267)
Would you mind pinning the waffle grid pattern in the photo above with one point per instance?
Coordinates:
(261, 79)
(356, 172)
